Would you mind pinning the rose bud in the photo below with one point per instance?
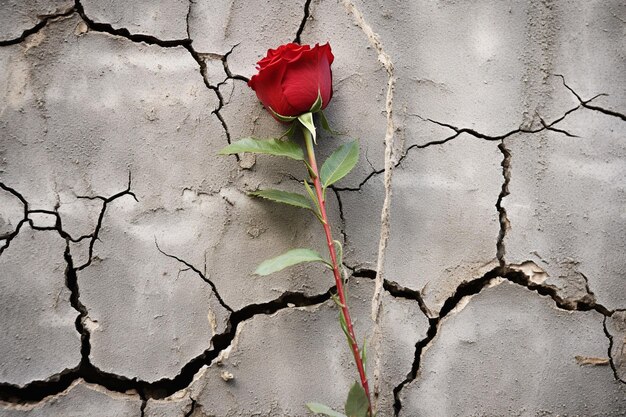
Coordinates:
(291, 77)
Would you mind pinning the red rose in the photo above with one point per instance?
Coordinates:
(291, 76)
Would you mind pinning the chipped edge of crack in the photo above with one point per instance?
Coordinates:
(473, 287)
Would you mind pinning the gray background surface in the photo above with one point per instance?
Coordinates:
(489, 203)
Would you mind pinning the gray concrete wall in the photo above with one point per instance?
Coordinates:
(489, 203)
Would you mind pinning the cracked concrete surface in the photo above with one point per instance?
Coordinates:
(490, 148)
(20, 17)
(615, 327)
(80, 399)
(163, 20)
(247, 376)
(36, 310)
(217, 26)
(510, 344)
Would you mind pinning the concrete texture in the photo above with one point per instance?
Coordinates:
(163, 296)
(80, 399)
(255, 382)
(163, 20)
(492, 145)
(616, 330)
(510, 344)
(433, 246)
(218, 27)
(180, 405)
(577, 240)
(18, 17)
(39, 338)
(11, 213)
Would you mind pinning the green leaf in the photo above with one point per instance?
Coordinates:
(364, 353)
(282, 118)
(285, 197)
(336, 300)
(313, 197)
(338, 251)
(357, 404)
(344, 326)
(287, 259)
(307, 121)
(340, 163)
(317, 106)
(271, 146)
(326, 125)
(318, 408)
(289, 133)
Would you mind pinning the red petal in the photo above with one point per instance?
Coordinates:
(307, 76)
(326, 58)
(267, 85)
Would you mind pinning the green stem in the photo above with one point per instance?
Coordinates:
(333, 258)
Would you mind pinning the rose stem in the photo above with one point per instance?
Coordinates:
(333, 257)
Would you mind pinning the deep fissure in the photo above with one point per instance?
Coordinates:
(307, 13)
(163, 388)
(502, 215)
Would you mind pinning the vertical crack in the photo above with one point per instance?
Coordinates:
(342, 218)
(466, 289)
(505, 224)
(187, 17)
(192, 408)
(71, 282)
(227, 70)
(142, 409)
(105, 203)
(307, 13)
(9, 237)
(610, 351)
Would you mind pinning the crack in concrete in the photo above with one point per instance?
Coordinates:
(187, 17)
(142, 38)
(342, 218)
(465, 289)
(610, 350)
(8, 237)
(458, 131)
(192, 408)
(392, 287)
(505, 224)
(105, 202)
(473, 287)
(135, 37)
(58, 226)
(45, 19)
(142, 409)
(200, 274)
(585, 103)
(199, 58)
(227, 70)
(307, 14)
(37, 391)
